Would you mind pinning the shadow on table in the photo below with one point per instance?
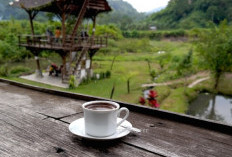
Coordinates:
(96, 143)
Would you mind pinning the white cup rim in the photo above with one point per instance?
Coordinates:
(101, 101)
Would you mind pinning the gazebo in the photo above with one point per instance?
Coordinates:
(76, 51)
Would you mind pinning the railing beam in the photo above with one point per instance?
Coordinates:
(44, 42)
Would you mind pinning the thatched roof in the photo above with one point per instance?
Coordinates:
(56, 6)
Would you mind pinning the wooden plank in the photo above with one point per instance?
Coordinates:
(173, 139)
(72, 118)
(45, 104)
(3, 84)
(24, 135)
(176, 139)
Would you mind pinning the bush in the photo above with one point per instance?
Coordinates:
(135, 45)
(152, 74)
(102, 75)
(86, 80)
(9, 52)
(72, 82)
(155, 35)
(19, 70)
(4, 71)
(110, 30)
(108, 74)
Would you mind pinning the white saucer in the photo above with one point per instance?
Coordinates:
(77, 127)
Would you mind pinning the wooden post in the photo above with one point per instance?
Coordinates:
(94, 29)
(19, 38)
(90, 71)
(38, 70)
(64, 66)
(31, 23)
(31, 15)
(107, 40)
(94, 25)
(91, 54)
(63, 28)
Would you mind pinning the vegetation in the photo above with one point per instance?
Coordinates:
(215, 48)
(155, 35)
(123, 15)
(179, 14)
(189, 14)
(72, 82)
(19, 70)
(4, 71)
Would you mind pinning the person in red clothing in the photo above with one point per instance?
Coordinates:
(53, 68)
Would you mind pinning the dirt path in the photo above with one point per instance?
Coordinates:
(203, 76)
(198, 81)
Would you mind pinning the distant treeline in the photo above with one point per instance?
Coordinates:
(157, 35)
(179, 14)
(187, 14)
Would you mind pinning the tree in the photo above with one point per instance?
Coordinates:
(128, 77)
(215, 48)
(184, 67)
(185, 63)
(191, 13)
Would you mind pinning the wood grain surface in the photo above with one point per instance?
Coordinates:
(34, 123)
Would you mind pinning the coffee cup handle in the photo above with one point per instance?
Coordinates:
(126, 116)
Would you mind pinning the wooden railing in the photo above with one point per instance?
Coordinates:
(43, 41)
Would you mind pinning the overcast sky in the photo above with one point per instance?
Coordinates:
(147, 5)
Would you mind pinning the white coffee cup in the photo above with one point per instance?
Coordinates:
(101, 117)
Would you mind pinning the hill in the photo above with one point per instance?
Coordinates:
(191, 13)
(155, 10)
(123, 14)
(6, 11)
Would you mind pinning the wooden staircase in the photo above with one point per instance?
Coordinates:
(80, 17)
(74, 70)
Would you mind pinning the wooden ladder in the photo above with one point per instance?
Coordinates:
(80, 17)
(84, 51)
(72, 70)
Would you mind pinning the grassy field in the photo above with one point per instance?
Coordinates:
(134, 66)
(121, 71)
(126, 65)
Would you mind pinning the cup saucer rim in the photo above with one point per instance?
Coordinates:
(77, 128)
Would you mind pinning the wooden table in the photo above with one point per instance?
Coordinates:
(34, 123)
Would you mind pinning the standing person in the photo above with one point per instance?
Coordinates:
(49, 35)
(57, 34)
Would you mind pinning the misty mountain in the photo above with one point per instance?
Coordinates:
(7, 11)
(155, 10)
(123, 14)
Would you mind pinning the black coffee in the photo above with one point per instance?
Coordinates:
(100, 106)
